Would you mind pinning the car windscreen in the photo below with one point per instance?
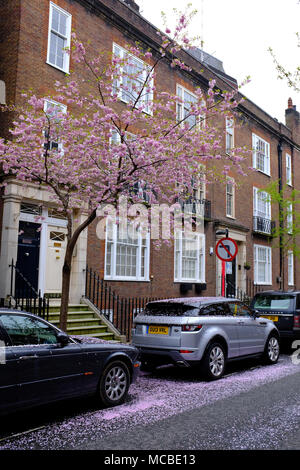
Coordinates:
(273, 302)
(171, 310)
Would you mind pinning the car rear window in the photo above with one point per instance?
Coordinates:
(274, 302)
(171, 310)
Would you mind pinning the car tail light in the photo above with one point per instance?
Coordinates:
(191, 327)
(185, 351)
(297, 321)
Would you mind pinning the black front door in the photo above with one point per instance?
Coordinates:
(28, 259)
(231, 278)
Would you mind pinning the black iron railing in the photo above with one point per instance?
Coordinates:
(119, 311)
(25, 296)
(196, 206)
(232, 291)
(262, 225)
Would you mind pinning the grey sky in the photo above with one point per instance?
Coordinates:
(239, 32)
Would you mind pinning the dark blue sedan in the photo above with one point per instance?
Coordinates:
(40, 364)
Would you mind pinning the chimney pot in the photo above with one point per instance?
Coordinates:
(290, 103)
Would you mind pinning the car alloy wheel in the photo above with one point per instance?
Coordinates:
(273, 349)
(114, 384)
(216, 361)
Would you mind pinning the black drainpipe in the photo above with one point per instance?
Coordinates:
(279, 149)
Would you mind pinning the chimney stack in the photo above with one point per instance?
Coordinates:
(292, 120)
(132, 4)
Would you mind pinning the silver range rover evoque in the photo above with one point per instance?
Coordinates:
(205, 332)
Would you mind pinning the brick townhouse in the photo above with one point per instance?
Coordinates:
(32, 56)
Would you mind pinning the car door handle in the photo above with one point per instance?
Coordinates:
(241, 322)
(24, 358)
(262, 322)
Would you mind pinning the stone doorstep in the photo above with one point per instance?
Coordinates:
(77, 309)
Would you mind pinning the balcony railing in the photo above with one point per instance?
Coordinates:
(196, 206)
(263, 225)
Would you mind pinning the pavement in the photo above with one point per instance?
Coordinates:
(252, 407)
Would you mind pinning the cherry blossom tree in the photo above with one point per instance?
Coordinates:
(101, 136)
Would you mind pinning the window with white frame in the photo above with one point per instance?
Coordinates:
(139, 188)
(261, 211)
(290, 268)
(53, 111)
(230, 193)
(183, 108)
(261, 154)
(2, 92)
(262, 265)
(289, 217)
(199, 184)
(126, 254)
(189, 257)
(192, 200)
(288, 161)
(229, 134)
(59, 38)
(133, 80)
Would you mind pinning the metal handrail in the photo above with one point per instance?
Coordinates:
(32, 302)
(29, 285)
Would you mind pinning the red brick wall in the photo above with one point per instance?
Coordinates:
(23, 51)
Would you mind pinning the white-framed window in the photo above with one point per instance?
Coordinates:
(261, 154)
(53, 109)
(139, 188)
(126, 254)
(229, 134)
(59, 38)
(132, 78)
(230, 198)
(2, 92)
(289, 217)
(199, 184)
(288, 161)
(261, 211)
(262, 265)
(183, 109)
(192, 200)
(290, 268)
(189, 263)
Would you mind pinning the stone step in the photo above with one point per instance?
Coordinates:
(82, 322)
(72, 307)
(82, 330)
(72, 315)
(105, 336)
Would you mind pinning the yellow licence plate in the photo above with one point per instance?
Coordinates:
(270, 318)
(158, 330)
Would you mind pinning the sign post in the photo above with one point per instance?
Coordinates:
(226, 251)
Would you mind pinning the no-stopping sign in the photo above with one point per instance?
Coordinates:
(226, 249)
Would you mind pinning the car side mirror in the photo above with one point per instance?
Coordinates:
(62, 339)
(255, 313)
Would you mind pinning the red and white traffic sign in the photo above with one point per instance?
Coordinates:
(226, 249)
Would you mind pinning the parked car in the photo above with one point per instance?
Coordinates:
(204, 332)
(41, 364)
(283, 308)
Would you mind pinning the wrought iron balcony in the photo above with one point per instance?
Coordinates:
(263, 225)
(196, 206)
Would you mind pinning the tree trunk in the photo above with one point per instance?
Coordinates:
(66, 271)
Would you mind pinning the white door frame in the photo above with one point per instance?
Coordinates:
(44, 221)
